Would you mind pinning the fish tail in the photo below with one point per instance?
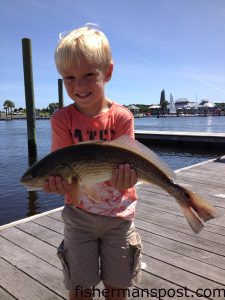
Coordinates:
(192, 218)
(195, 208)
(204, 209)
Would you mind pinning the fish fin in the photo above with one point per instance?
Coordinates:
(126, 142)
(192, 218)
(79, 189)
(75, 191)
(196, 209)
(92, 192)
(204, 210)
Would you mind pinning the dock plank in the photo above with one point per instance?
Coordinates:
(5, 296)
(201, 269)
(44, 234)
(214, 194)
(32, 266)
(176, 218)
(22, 286)
(183, 249)
(35, 246)
(184, 238)
(184, 228)
(40, 232)
(181, 277)
(166, 203)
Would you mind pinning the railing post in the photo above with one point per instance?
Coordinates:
(60, 92)
(29, 95)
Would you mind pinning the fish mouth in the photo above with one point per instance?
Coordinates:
(31, 188)
(30, 182)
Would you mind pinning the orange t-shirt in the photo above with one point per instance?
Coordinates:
(69, 127)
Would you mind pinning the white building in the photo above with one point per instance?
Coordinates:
(205, 106)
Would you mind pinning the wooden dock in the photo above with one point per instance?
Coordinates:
(209, 139)
(177, 262)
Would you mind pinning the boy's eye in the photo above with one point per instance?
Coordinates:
(89, 75)
(69, 77)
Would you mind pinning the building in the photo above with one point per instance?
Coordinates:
(205, 107)
(154, 109)
(183, 105)
(134, 109)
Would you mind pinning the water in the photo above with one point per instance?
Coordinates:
(17, 203)
(195, 124)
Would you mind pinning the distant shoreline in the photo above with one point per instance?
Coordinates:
(153, 116)
(21, 118)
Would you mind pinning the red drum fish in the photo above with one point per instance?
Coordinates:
(92, 162)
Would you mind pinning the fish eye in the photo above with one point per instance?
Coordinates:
(186, 195)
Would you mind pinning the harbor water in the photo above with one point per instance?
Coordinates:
(17, 203)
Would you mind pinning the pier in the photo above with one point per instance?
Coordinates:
(210, 139)
(175, 259)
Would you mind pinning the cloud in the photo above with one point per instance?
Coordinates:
(141, 57)
(212, 81)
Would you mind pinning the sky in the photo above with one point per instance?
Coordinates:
(175, 45)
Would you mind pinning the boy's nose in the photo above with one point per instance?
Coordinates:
(80, 82)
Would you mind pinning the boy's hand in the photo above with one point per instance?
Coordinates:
(124, 178)
(55, 184)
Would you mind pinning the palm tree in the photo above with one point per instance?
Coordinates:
(8, 105)
(12, 105)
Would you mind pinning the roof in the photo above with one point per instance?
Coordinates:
(180, 100)
(155, 106)
(133, 107)
(206, 103)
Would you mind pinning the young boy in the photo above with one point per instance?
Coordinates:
(100, 240)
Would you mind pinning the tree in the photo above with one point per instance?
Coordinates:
(163, 102)
(144, 108)
(52, 106)
(8, 105)
(12, 105)
(220, 105)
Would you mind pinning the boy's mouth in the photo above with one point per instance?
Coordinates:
(83, 95)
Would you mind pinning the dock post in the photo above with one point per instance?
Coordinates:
(29, 95)
(60, 92)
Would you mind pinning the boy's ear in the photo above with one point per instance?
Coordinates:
(108, 73)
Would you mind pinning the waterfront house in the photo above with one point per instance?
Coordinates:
(154, 109)
(134, 109)
(185, 106)
(206, 107)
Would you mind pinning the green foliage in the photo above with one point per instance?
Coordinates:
(220, 105)
(52, 106)
(143, 108)
(8, 105)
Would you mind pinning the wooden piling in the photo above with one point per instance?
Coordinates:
(29, 95)
(60, 92)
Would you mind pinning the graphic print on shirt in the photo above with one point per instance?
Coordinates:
(101, 134)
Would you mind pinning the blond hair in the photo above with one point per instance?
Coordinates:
(86, 42)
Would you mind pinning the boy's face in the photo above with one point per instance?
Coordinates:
(85, 85)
